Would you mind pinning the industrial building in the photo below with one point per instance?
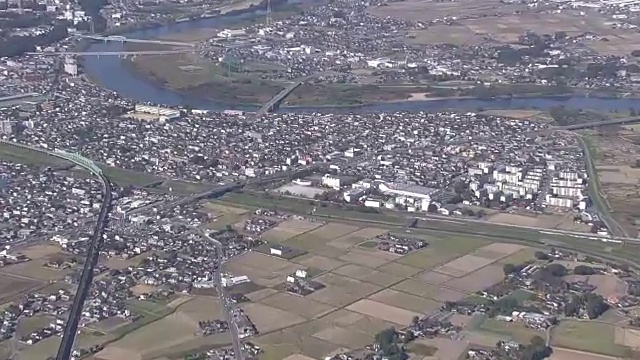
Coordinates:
(155, 112)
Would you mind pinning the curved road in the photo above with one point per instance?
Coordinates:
(70, 331)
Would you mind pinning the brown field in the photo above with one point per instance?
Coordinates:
(156, 337)
(289, 228)
(520, 257)
(343, 318)
(330, 231)
(36, 270)
(503, 249)
(567, 354)
(437, 293)
(406, 301)
(627, 337)
(618, 175)
(542, 221)
(262, 269)
(463, 265)
(447, 348)
(366, 274)
(356, 237)
(43, 349)
(267, 318)
(296, 340)
(432, 277)
(319, 262)
(341, 290)
(201, 308)
(344, 337)
(40, 251)
(372, 259)
(478, 280)
(383, 311)
(398, 269)
(297, 305)
(258, 295)
(11, 286)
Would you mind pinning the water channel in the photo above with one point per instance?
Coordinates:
(111, 73)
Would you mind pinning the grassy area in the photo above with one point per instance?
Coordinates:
(422, 349)
(589, 336)
(22, 156)
(516, 331)
(521, 295)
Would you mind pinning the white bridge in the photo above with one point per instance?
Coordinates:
(123, 39)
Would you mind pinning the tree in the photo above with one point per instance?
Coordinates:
(583, 270)
(557, 270)
(572, 308)
(508, 269)
(538, 341)
(635, 53)
(540, 255)
(595, 306)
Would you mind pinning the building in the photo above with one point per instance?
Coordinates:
(6, 127)
(412, 191)
(163, 114)
(231, 281)
(71, 66)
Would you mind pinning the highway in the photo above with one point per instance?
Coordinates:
(221, 190)
(71, 328)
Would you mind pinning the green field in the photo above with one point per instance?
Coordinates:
(589, 336)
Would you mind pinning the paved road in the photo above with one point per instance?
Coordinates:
(226, 303)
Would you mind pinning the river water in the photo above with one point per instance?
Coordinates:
(111, 73)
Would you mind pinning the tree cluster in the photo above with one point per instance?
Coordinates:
(594, 305)
(388, 340)
(584, 270)
(536, 350)
(18, 45)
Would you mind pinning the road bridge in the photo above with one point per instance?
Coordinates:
(123, 39)
(275, 101)
(594, 124)
(109, 53)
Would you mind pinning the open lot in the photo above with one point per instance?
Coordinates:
(383, 311)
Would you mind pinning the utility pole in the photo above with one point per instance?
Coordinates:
(268, 12)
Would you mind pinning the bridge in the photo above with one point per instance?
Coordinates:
(621, 121)
(275, 101)
(109, 53)
(123, 39)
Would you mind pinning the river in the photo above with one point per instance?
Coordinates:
(111, 73)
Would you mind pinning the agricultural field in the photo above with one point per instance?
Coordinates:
(366, 289)
(589, 336)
